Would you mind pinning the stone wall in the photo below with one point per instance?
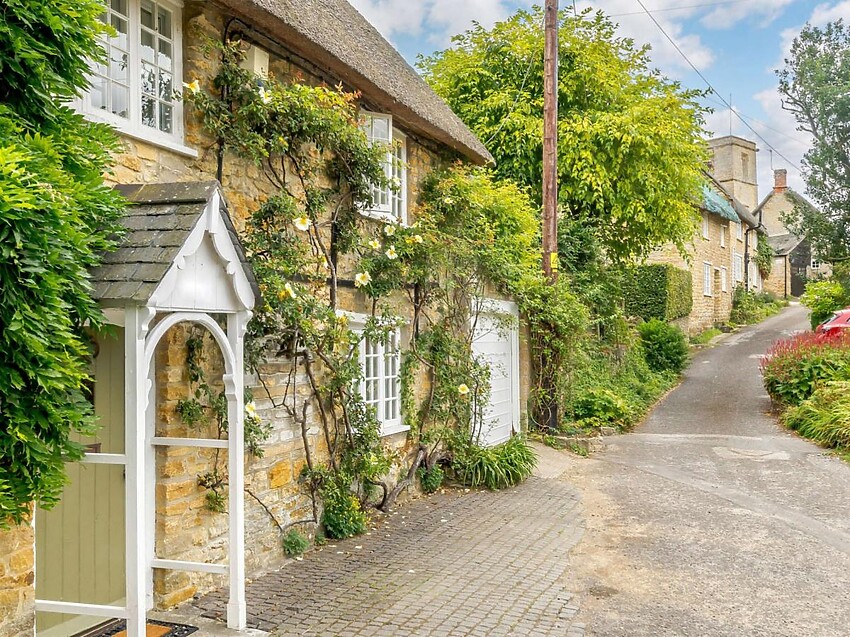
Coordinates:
(17, 595)
(779, 280)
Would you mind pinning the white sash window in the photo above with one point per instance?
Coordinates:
(134, 89)
(389, 202)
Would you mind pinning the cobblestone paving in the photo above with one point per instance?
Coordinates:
(477, 563)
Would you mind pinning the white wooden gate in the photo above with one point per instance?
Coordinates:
(496, 341)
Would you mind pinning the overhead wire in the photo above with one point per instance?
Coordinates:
(683, 8)
(711, 87)
(516, 99)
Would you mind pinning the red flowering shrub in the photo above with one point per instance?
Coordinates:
(794, 367)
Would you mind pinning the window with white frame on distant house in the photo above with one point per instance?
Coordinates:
(815, 263)
(723, 235)
(738, 267)
(705, 225)
(134, 88)
(388, 202)
(739, 231)
(706, 279)
(724, 275)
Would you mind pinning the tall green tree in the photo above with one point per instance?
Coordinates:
(630, 149)
(815, 86)
(56, 217)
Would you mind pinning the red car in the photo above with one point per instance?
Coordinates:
(838, 321)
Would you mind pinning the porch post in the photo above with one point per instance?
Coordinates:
(236, 607)
(135, 402)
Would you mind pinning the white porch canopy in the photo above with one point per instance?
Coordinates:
(179, 262)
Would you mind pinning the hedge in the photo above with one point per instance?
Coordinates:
(658, 291)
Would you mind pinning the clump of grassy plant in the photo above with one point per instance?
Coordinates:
(825, 417)
(498, 467)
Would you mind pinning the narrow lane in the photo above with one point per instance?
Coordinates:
(711, 519)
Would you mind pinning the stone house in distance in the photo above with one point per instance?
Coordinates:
(720, 257)
(793, 262)
(132, 532)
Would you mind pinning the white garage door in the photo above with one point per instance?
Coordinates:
(496, 341)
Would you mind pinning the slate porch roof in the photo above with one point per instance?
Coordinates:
(334, 36)
(784, 244)
(158, 220)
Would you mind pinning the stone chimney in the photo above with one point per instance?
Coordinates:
(780, 180)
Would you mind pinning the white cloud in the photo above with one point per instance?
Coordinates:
(671, 16)
(439, 19)
(728, 15)
(828, 12)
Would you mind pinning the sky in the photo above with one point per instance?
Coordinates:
(735, 44)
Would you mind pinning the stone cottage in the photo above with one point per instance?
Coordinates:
(715, 257)
(793, 263)
(133, 531)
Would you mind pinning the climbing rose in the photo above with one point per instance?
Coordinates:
(462, 389)
(361, 279)
(194, 86)
(375, 244)
(303, 223)
(391, 253)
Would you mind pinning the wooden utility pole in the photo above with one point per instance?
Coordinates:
(549, 412)
(550, 142)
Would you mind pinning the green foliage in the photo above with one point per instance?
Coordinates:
(825, 417)
(823, 298)
(664, 345)
(631, 147)
(658, 291)
(812, 84)
(763, 258)
(498, 467)
(56, 218)
(703, 338)
(750, 307)
(794, 368)
(620, 371)
(295, 543)
(45, 48)
(431, 479)
(599, 407)
(343, 515)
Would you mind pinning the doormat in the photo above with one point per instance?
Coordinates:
(154, 629)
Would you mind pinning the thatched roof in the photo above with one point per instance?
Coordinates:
(332, 35)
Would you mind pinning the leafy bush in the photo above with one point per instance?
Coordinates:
(621, 371)
(658, 291)
(793, 368)
(56, 218)
(825, 417)
(342, 516)
(295, 543)
(664, 346)
(823, 298)
(498, 467)
(430, 479)
(751, 307)
(601, 407)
